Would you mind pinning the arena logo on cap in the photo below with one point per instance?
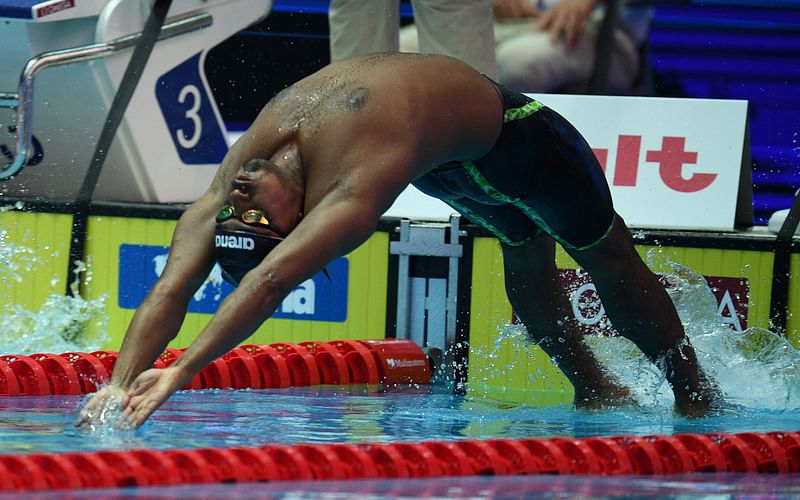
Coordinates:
(236, 242)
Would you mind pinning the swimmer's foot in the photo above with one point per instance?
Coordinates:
(692, 409)
(608, 394)
(700, 403)
(697, 405)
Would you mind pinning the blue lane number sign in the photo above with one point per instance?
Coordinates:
(190, 116)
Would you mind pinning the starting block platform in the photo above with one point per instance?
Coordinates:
(63, 63)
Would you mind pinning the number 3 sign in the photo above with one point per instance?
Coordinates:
(190, 114)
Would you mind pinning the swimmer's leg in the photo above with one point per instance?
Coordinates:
(641, 310)
(535, 292)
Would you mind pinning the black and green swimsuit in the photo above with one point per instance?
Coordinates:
(541, 175)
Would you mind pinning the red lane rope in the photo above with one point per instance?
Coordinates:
(771, 452)
(387, 361)
(348, 361)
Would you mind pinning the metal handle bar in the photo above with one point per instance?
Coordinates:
(23, 99)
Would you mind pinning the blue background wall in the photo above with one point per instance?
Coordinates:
(742, 50)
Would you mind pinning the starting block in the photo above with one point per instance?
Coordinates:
(64, 60)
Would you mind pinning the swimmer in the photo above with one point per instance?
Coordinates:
(327, 156)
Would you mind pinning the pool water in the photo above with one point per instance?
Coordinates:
(224, 418)
(678, 487)
(227, 418)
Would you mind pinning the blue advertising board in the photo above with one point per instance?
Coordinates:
(316, 299)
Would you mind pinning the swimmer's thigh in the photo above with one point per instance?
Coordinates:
(567, 192)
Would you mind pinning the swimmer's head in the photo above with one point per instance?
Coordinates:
(264, 205)
(240, 250)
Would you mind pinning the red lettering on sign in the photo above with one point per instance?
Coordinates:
(732, 296)
(671, 158)
(54, 8)
(627, 166)
(602, 157)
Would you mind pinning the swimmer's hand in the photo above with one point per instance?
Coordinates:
(102, 407)
(148, 392)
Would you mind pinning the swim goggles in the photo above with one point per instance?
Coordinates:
(254, 217)
(240, 251)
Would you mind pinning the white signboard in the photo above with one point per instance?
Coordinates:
(670, 163)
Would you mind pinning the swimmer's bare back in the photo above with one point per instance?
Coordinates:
(387, 117)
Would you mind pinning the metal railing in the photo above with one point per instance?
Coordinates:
(23, 99)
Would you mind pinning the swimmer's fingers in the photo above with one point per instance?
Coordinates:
(134, 400)
(87, 414)
(143, 383)
(148, 392)
(135, 416)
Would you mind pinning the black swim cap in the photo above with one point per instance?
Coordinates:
(240, 251)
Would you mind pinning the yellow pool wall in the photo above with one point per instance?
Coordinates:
(498, 360)
(48, 236)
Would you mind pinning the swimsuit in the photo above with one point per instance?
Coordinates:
(540, 175)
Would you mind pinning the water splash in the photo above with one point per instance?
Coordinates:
(62, 323)
(513, 334)
(14, 259)
(754, 368)
(104, 418)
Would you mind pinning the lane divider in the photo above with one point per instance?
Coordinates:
(388, 361)
(771, 452)
(254, 366)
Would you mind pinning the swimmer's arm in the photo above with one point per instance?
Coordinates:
(191, 258)
(306, 251)
(329, 231)
(159, 317)
(341, 221)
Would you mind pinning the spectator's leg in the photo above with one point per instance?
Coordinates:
(462, 29)
(528, 61)
(359, 27)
